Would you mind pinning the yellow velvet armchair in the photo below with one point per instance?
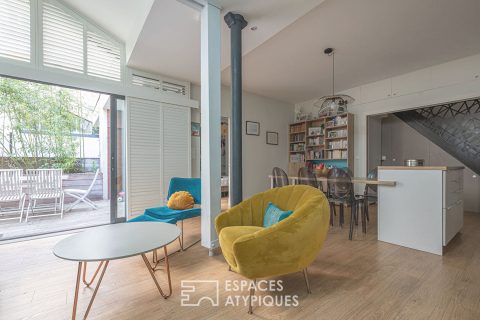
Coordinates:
(288, 246)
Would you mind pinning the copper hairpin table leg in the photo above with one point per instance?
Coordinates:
(151, 270)
(88, 283)
(77, 286)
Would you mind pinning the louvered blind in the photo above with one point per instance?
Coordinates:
(174, 88)
(145, 146)
(159, 84)
(103, 57)
(176, 143)
(62, 39)
(15, 29)
(145, 81)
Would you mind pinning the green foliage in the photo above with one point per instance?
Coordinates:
(36, 125)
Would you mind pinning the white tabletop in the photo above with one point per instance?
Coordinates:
(116, 241)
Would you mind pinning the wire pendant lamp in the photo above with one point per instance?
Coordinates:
(336, 103)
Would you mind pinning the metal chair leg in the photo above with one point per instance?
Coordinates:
(352, 218)
(342, 214)
(252, 292)
(305, 275)
(181, 241)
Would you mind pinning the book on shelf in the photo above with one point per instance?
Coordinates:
(337, 154)
(297, 157)
(341, 133)
(317, 141)
(315, 154)
(297, 137)
(297, 147)
(337, 144)
(315, 131)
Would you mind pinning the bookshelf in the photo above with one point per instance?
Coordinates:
(327, 140)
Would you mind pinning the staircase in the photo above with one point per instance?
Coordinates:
(454, 127)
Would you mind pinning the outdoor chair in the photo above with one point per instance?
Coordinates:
(45, 184)
(82, 195)
(11, 191)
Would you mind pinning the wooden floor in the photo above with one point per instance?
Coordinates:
(79, 217)
(360, 279)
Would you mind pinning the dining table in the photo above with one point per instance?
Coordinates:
(355, 180)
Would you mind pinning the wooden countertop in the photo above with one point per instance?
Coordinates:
(443, 168)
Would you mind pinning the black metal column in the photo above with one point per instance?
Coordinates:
(236, 23)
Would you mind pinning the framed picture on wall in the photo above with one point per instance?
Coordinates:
(195, 129)
(252, 128)
(272, 138)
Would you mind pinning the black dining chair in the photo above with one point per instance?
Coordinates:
(279, 178)
(370, 192)
(306, 177)
(340, 192)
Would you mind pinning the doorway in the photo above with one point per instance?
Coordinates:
(225, 163)
(62, 154)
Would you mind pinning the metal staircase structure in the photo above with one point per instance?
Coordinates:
(454, 127)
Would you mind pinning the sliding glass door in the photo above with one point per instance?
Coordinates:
(73, 135)
(118, 156)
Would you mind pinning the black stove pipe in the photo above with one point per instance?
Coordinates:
(236, 23)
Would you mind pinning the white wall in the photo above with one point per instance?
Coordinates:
(454, 80)
(258, 157)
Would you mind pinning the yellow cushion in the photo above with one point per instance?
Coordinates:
(229, 235)
(288, 246)
(181, 200)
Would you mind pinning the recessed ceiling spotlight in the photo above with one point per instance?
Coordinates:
(254, 28)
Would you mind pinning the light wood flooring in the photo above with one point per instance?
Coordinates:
(81, 216)
(360, 279)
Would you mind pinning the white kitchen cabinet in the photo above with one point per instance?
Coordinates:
(412, 82)
(424, 210)
(455, 72)
(376, 91)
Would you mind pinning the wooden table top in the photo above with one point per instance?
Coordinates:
(359, 180)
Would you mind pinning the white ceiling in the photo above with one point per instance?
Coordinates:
(374, 40)
(283, 59)
(170, 40)
(116, 16)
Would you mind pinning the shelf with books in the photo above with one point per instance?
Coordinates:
(327, 140)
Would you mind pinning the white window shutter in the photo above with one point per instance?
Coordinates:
(15, 29)
(103, 57)
(176, 143)
(62, 39)
(158, 149)
(145, 160)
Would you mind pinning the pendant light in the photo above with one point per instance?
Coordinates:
(334, 104)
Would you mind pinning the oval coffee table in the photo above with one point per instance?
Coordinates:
(113, 242)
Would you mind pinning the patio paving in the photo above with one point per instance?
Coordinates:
(79, 217)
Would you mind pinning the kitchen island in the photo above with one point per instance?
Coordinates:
(425, 209)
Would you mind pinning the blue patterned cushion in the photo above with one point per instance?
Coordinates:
(273, 215)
